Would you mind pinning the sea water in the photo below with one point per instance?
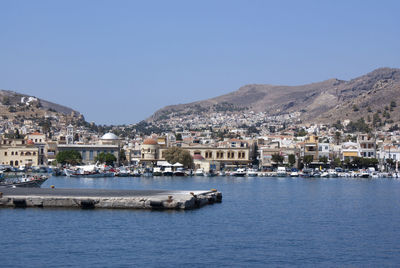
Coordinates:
(260, 222)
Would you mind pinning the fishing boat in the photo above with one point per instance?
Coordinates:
(24, 181)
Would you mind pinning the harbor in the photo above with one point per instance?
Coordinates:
(105, 198)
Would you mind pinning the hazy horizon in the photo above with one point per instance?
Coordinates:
(119, 62)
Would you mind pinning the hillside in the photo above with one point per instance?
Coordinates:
(325, 101)
(14, 105)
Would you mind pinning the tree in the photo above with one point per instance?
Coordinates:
(179, 137)
(176, 154)
(337, 137)
(292, 160)
(393, 104)
(6, 101)
(71, 157)
(337, 162)
(107, 158)
(323, 159)
(307, 159)
(277, 158)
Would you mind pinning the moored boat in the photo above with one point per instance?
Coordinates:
(24, 181)
(240, 172)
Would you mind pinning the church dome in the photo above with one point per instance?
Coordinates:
(150, 142)
(109, 136)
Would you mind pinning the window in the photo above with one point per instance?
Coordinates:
(220, 155)
(90, 155)
(5, 153)
(208, 154)
(12, 153)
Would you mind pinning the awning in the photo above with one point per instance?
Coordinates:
(350, 154)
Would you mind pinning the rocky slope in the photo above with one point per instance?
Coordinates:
(325, 101)
(16, 105)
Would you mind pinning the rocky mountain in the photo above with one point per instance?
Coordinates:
(325, 101)
(17, 105)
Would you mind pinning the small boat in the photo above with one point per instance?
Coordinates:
(157, 171)
(252, 173)
(168, 172)
(240, 172)
(211, 173)
(199, 172)
(122, 172)
(222, 173)
(24, 181)
(281, 172)
(180, 172)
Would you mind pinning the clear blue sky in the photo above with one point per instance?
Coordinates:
(119, 61)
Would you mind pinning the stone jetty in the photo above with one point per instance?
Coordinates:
(101, 198)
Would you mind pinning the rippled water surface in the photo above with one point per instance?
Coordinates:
(261, 222)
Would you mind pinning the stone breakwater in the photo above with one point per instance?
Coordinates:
(111, 199)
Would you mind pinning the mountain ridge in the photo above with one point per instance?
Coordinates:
(325, 101)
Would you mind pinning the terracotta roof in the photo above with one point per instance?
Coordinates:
(198, 157)
(150, 142)
(30, 142)
(36, 133)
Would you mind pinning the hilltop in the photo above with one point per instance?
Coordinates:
(325, 102)
(17, 106)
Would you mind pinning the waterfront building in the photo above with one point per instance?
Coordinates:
(39, 141)
(233, 154)
(18, 152)
(349, 150)
(310, 147)
(109, 143)
(367, 145)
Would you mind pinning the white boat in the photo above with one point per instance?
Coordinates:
(294, 174)
(324, 175)
(157, 171)
(240, 172)
(199, 172)
(332, 173)
(281, 172)
(168, 171)
(252, 173)
(179, 172)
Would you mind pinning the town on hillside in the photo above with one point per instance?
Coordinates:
(217, 144)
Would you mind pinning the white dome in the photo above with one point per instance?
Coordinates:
(109, 136)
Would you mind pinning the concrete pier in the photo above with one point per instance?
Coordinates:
(100, 198)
